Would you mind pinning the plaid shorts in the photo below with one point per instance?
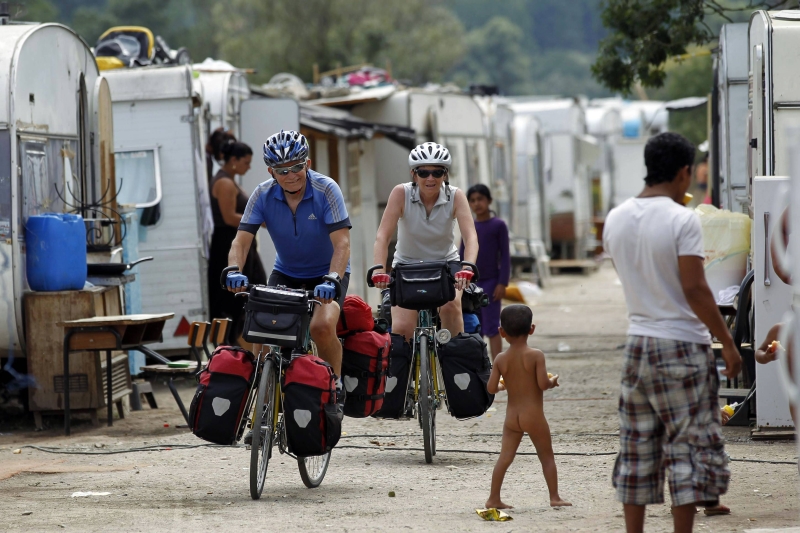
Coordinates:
(669, 420)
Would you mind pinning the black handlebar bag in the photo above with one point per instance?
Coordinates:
(276, 316)
(420, 286)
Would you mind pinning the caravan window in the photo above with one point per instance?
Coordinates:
(49, 176)
(138, 174)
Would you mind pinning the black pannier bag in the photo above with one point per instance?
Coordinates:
(313, 418)
(466, 369)
(276, 316)
(394, 398)
(420, 286)
(221, 395)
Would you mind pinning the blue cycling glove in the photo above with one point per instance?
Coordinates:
(325, 291)
(234, 280)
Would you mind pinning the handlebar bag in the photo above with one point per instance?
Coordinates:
(424, 285)
(394, 399)
(466, 369)
(276, 316)
(365, 363)
(313, 418)
(222, 391)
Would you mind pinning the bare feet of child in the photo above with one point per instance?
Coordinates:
(497, 504)
(558, 502)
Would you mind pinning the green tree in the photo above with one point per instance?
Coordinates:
(646, 33)
(495, 56)
(422, 38)
(690, 77)
(34, 11)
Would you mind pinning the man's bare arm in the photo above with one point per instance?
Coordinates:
(341, 251)
(701, 300)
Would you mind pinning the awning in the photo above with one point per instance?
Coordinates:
(343, 124)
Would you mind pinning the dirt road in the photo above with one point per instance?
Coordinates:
(580, 324)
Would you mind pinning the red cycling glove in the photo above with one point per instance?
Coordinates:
(381, 278)
(464, 275)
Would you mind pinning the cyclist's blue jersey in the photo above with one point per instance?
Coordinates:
(301, 239)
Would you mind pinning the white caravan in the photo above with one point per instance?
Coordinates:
(774, 37)
(160, 169)
(729, 120)
(224, 89)
(604, 123)
(568, 155)
(451, 119)
(48, 140)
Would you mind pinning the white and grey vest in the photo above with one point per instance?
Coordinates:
(423, 237)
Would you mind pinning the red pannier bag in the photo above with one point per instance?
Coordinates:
(365, 363)
(312, 417)
(356, 315)
(221, 395)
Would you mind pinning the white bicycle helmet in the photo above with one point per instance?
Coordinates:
(429, 153)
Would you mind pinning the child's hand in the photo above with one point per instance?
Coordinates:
(553, 380)
(501, 385)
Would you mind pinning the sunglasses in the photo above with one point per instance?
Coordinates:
(438, 173)
(293, 169)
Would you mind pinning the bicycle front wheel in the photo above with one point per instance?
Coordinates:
(313, 469)
(263, 429)
(427, 407)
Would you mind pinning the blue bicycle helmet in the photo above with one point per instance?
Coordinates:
(284, 147)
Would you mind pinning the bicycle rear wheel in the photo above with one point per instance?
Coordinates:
(427, 410)
(263, 430)
(313, 469)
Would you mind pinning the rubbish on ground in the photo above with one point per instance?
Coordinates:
(83, 494)
(524, 292)
(493, 515)
(27, 513)
(17, 451)
(99, 445)
(563, 347)
(391, 494)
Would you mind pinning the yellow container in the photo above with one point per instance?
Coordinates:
(728, 410)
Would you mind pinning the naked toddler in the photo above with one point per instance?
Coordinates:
(524, 377)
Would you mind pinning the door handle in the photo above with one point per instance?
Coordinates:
(766, 249)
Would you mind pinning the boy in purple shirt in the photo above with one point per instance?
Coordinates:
(494, 261)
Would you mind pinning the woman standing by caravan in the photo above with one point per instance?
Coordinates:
(424, 212)
(228, 202)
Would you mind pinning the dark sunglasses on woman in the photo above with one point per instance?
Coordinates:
(422, 173)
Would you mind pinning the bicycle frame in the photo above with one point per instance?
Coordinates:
(426, 326)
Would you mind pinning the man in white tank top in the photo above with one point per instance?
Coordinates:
(424, 213)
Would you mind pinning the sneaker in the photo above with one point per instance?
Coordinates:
(248, 439)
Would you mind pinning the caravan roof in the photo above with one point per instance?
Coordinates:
(563, 115)
(149, 83)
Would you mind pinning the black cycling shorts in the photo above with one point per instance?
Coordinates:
(307, 284)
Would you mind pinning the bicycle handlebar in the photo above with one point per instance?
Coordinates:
(235, 268)
(475, 277)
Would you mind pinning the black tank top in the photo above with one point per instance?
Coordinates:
(241, 201)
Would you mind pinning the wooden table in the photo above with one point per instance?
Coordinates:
(108, 333)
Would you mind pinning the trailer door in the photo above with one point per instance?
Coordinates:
(260, 119)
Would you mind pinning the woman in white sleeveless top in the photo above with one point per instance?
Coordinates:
(424, 212)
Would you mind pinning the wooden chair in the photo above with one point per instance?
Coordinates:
(219, 330)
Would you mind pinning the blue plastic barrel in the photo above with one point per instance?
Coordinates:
(56, 252)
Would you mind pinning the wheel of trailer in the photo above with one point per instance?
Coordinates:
(313, 469)
(263, 430)
(427, 412)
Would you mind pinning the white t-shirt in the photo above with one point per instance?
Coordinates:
(645, 237)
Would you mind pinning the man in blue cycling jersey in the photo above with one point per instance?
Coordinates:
(306, 217)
